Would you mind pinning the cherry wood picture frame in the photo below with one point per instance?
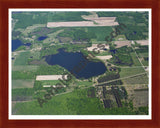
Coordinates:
(106, 4)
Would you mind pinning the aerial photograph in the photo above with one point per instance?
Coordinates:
(79, 62)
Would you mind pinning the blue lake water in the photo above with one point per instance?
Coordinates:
(17, 43)
(77, 64)
(42, 38)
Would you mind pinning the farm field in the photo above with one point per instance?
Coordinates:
(129, 71)
(28, 83)
(96, 21)
(22, 58)
(122, 43)
(141, 98)
(142, 42)
(25, 68)
(141, 79)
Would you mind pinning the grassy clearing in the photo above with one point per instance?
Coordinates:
(84, 83)
(52, 36)
(101, 32)
(145, 54)
(94, 41)
(25, 68)
(31, 28)
(135, 59)
(103, 53)
(35, 55)
(140, 98)
(66, 16)
(22, 59)
(143, 79)
(23, 75)
(28, 83)
(125, 72)
(50, 82)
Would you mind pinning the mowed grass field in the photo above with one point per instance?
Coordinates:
(84, 83)
(141, 98)
(25, 68)
(22, 59)
(103, 53)
(21, 83)
(145, 54)
(100, 32)
(130, 71)
(50, 82)
(142, 79)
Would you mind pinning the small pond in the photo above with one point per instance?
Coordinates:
(17, 43)
(42, 38)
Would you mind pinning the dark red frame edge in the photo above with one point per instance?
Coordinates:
(6, 4)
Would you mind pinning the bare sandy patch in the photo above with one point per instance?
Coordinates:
(104, 57)
(94, 21)
(80, 24)
(142, 42)
(54, 86)
(122, 43)
(50, 77)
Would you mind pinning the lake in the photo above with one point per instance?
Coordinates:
(76, 64)
(42, 38)
(17, 43)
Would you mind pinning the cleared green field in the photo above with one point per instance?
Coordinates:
(100, 32)
(84, 83)
(50, 82)
(22, 59)
(145, 54)
(28, 83)
(130, 71)
(25, 68)
(35, 54)
(140, 98)
(103, 53)
(135, 59)
(94, 41)
(143, 79)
